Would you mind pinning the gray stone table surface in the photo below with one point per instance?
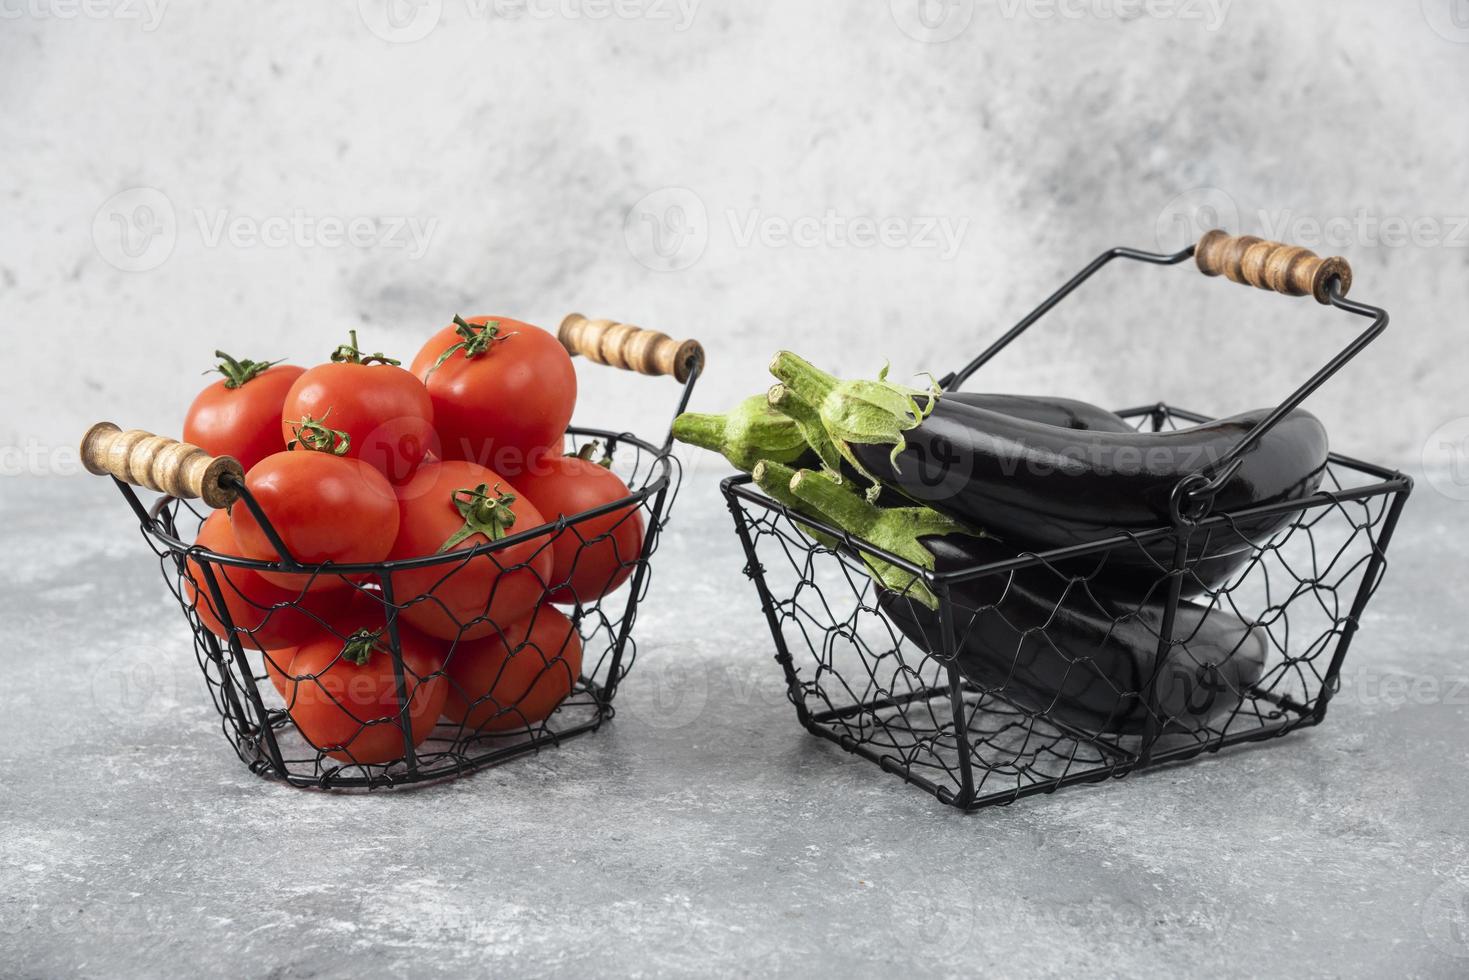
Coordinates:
(133, 843)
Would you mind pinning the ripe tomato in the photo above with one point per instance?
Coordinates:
(277, 665)
(329, 615)
(495, 687)
(502, 390)
(594, 556)
(325, 508)
(343, 697)
(385, 411)
(463, 505)
(265, 615)
(240, 415)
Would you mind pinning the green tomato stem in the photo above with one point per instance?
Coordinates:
(484, 514)
(239, 372)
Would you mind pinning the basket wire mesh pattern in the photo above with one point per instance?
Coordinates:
(999, 694)
(535, 682)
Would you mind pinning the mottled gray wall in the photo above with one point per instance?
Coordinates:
(698, 167)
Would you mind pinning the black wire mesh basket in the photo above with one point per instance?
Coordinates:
(492, 690)
(1020, 681)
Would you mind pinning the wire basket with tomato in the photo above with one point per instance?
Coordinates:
(395, 575)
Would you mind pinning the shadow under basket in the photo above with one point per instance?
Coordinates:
(542, 686)
(984, 701)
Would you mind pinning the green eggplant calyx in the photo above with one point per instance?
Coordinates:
(474, 340)
(314, 436)
(483, 512)
(748, 433)
(897, 530)
(359, 646)
(875, 413)
(238, 372)
(865, 412)
(349, 353)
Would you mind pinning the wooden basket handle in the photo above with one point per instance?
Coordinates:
(1287, 269)
(631, 348)
(159, 463)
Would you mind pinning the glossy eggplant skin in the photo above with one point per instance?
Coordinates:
(1040, 487)
(1058, 645)
(1065, 413)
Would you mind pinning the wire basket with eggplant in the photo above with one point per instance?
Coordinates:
(993, 596)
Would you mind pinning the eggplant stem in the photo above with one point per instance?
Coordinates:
(804, 415)
(702, 430)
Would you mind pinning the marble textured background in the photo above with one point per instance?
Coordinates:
(262, 177)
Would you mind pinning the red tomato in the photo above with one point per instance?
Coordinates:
(277, 664)
(495, 687)
(265, 615)
(502, 395)
(594, 556)
(343, 697)
(325, 508)
(332, 615)
(385, 411)
(240, 415)
(503, 585)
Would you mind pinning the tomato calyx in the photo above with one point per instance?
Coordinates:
(587, 451)
(476, 340)
(359, 646)
(482, 513)
(238, 372)
(349, 353)
(313, 435)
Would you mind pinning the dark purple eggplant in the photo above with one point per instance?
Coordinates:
(756, 430)
(1060, 646)
(1064, 413)
(1040, 486)
(1051, 642)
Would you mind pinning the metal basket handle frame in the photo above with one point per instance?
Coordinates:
(183, 471)
(1287, 269)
